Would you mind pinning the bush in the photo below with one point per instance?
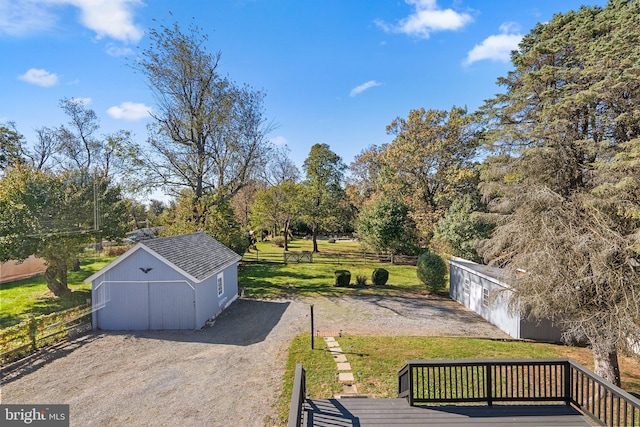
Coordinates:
(432, 271)
(361, 281)
(331, 240)
(343, 278)
(116, 250)
(278, 241)
(379, 277)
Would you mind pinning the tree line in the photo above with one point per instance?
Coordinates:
(542, 180)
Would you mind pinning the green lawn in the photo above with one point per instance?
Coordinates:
(378, 359)
(31, 297)
(264, 275)
(267, 278)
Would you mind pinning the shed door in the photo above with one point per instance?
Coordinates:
(125, 306)
(146, 305)
(475, 297)
(171, 306)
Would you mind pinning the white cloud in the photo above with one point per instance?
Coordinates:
(427, 18)
(18, 18)
(40, 77)
(107, 18)
(129, 111)
(496, 47)
(110, 18)
(114, 50)
(364, 86)
(509, 27)
(279, 140)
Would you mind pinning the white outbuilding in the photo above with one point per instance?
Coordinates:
(485, 290)
(176, 282)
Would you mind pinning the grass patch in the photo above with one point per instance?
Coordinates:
(269, 277)
(31, 297)
(378, 359)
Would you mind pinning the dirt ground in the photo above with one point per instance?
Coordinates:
(225, 374)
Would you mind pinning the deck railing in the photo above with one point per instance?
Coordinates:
(602, 400)
(535, 380)
(298, 396)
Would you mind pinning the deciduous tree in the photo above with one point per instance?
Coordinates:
(364, 180)
(209, 133)
(384, 225)
(52, 215)
(276, 207)
(11, 145)
(324, 200)
(219, 222)
(430, 162)
(463, 225)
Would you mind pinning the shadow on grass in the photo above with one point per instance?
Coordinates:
(257, 279)
(50, 305)
(275, 279)
(46, 305)
(31, 297)
(23, 283)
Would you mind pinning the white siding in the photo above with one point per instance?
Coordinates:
(497, 313)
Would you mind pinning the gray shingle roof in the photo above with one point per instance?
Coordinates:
(492, 272)
(196, 254)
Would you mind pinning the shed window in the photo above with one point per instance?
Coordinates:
(466, 286)
(220, 285)
(485, 297)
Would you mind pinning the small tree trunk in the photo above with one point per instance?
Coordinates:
(56, 277)
(286, 235)
(314, 236)
(606, 365)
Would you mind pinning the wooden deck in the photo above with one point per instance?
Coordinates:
(354, 411)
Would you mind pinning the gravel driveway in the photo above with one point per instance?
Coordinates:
(225, 374)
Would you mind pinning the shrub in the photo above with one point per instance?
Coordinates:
(379, 277)
(361, 281)
(331, 240)
(278, 241)
(432, 271)
(343, 278)
(116, 250)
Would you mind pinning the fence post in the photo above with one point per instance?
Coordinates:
(488, 384)
(568, 386)
(33, 331)
(411, 397)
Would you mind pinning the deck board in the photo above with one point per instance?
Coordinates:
(397, 412)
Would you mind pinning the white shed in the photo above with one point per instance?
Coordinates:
(484, 290)
(176, 282)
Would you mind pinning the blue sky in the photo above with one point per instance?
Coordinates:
(334, 71)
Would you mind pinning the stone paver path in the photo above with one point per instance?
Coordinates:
(347, 379)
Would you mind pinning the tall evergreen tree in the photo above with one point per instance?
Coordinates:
(564, 132)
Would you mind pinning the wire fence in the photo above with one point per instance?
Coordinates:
(275, 256)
